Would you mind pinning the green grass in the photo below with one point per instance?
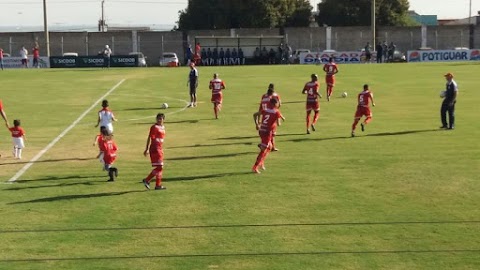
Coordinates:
(401, 195)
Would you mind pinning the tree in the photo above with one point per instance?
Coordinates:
(358, 12)
(226, 14)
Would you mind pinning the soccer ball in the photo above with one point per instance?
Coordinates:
(164, 106)
(344, 94)
(443, 93)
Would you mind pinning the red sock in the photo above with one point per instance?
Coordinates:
(215, 110)
(260, 157)
(158, 176)
(308, 119)
(315, 117)
(355, 124)
(367, 120)
(151, 175)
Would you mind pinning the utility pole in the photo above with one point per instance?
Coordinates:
(373, 24)
(102, 21)
(470, 14)
(45, 28)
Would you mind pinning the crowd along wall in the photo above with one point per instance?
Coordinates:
(153, 43)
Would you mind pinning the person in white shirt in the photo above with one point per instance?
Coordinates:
(106, 117)
(24, 56)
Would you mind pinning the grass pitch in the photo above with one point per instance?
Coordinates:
(401, 195)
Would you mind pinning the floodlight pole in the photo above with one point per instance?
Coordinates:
(45, 28)
(102, 27)
(470, 14)
(373, 24)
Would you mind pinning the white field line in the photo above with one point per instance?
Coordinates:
(52, 143)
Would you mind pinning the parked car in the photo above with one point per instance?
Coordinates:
(74, 54)
(461, 49)
(296, 55)
(142, 59)
(6, 55)
(169, 59)
(398, 57)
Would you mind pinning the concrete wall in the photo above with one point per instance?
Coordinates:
(153, 44)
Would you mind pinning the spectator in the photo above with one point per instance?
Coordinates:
(221, 56)
(209, 57)
(1, 58)
(215, 56)
(391, 50)
(228, 57)
(287, 54)
(197, 57)
(241, 57)
(257, 56)
(264, 56)
(204, 57)
(379, 52)
(271, 56)
(107, 52)
(24, 55)
(188, 55)
(368, 53)
(36, 56)
(235, 57)
(280, 54)
(385, 51)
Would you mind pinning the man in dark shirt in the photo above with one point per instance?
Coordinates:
(448, 104)
(193, 83)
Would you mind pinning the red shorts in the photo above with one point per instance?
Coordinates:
(217, 98)
(266, 138)
(330, 80)
(313, 106)
(363, 111)
(156, 157)
(109, 160)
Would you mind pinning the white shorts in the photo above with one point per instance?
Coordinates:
(18, 142)
(109, 127)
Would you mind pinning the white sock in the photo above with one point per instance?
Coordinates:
(19, 155)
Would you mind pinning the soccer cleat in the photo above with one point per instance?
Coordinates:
(443, 127)
(328, 98)
(363, 127)
(263, 167)
(275, 149)
(313, 127)
(353, 134)
(115, 171)
(308, 131)
(160, 188)
(146, 184)
(190, 105)
(255, 170)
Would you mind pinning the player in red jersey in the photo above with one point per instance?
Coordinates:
(154, 147)
(269, 120)
(109, 149)
(363, 108)
(265, 104)
(18, 138)
(330, 69)
(3, 114)
(216, 85)
(311, 89)
(99, 141)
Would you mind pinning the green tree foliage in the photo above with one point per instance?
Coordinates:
(358, 12)
(226, 14)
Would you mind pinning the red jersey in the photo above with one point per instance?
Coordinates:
(1, 105)
(17, 132)
(330, 69)
(265, 101)
(1, 53)
(311, 88)
(216, 85)
(364, 98)
(36, 53)
(110, 148)
(157, 135)
(269, 120)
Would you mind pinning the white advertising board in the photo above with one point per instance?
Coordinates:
(16, 62)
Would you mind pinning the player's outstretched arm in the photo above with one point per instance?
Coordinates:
(146, 147)
(373, 102)
(4, 116)
(98, 121)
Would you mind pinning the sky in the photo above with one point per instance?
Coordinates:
(21, 13)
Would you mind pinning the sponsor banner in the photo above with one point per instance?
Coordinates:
(16, 62)
(443, 55)
(346, 57)
(93, 61)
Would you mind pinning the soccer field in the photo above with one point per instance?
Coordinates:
(401, 195)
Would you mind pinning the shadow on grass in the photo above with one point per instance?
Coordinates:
(210, 145)
(173, 122)
(406, 132)
(89, 183)
(80, 196)
(200, 177)
(56, 178)
(214, 156)
(257, 137)
(48, 160)
(141, 109)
